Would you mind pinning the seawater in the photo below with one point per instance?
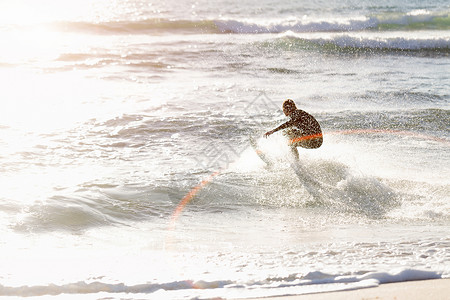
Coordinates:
(126, 167)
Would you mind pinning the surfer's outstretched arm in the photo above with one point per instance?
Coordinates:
(282, 126)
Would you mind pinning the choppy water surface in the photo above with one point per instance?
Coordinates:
(126, 168)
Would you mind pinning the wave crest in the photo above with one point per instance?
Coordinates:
(379, 42)
(417, 20)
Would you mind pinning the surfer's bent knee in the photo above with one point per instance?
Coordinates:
(307, 141)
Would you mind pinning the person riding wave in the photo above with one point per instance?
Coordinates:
(302, 130)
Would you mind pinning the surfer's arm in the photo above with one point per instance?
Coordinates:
(282, 126)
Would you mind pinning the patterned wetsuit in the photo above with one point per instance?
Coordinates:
(304, 130)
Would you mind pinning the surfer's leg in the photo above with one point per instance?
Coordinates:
(295, 153)
(307, 141)
(291, 135)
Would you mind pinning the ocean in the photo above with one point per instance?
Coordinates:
(126, 165)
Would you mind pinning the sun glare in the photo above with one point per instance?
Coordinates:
(33, 30)
(31, 43)
(32, 12)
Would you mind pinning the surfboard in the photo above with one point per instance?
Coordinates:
(260, 153)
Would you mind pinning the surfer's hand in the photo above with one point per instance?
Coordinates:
(268, 133)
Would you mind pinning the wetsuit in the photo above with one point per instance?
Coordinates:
(304, 131)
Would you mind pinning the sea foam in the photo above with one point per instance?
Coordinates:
(418, 20)
(313, 282)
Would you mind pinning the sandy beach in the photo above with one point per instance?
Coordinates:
(436, 289)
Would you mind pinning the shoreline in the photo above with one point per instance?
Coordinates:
(436, 289)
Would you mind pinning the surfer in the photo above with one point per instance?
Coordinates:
(303, 130)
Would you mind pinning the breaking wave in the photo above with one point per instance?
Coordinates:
(374, 42)
(415, 20)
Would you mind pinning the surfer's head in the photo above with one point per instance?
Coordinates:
(289, 107)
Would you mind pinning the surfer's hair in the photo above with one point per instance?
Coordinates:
(289, 105)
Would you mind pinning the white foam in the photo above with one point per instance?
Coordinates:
(248, 27)
(295, 284)
(401, 275)
(356, 23)
(386, 41)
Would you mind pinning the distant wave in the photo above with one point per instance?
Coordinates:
(378, 42)
(141, 26)
(234, 26)
(416, 20)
